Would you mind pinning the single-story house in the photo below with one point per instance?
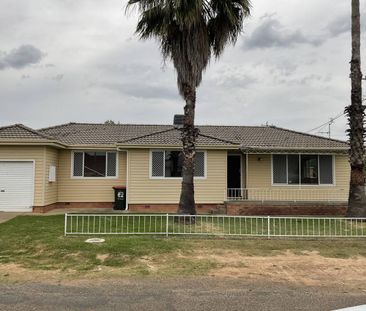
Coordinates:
(239, 169)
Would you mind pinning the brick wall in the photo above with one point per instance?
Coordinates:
(230, 208)
(288, 209)
(170, 208)
(81, 205)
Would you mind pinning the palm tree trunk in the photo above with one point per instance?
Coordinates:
(357, 198)
(189, 134)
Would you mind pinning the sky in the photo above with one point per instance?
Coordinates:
(80, 61)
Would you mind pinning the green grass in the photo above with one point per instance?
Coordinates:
(37, 242)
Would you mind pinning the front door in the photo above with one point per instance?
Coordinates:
(234, 175)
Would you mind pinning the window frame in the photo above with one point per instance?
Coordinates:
(175, 178)
(106, 164)
(300, 184)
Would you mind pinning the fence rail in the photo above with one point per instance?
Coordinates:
(214, 225)
(287, 194)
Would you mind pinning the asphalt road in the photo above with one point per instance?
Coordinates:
(174, 294)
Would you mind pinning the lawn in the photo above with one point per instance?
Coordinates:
(37, 242)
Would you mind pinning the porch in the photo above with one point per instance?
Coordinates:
(295, 177)
(287, 194)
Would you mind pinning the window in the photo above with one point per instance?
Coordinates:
(157, 163)
(326, 169)
(302, 169)
(173, 163)
(309, 170)
(94, 164)
(293, 169)
(279, 169)
(169, 164)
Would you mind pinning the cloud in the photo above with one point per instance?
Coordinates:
(20, 57)
(58, 77)
(232, 77)
(284, 84)
(339, 25)
(271, 33)
(342, 24)
(146, 91)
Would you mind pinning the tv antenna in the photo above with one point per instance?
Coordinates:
(331, 121)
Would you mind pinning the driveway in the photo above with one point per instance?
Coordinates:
(174, 294)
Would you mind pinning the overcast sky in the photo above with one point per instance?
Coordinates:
(80, 61)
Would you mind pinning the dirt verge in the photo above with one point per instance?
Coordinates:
(308, 268)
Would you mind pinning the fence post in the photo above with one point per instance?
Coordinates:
(268, 227)
(65, 229)
(167, 225)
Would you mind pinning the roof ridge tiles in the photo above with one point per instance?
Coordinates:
(55, 126)
(147, 135)
(22, 126)
(219, 139)
(90, 123)
(148, 124)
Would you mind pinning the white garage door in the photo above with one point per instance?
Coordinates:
(16, 186)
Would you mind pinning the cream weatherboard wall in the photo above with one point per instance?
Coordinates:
(144, 190)
(260, 181)
(51, 188)
(87, 189)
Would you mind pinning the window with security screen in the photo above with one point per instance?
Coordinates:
(78, 163)
(199, 165)
(293, 175)
(157, 163)
(279, 169)
(305, 169)
(326, 169)
(169, 164)
(111, 164)
(94, 164)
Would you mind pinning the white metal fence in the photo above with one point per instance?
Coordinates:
(287, 194)
(214, 225)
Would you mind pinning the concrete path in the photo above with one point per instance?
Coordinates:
(5, 216)
(175, 294)
(59, 211)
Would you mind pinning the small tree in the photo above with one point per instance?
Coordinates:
(356, 113)
(111, 122)
(189, 33)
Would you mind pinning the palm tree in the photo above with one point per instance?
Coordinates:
(357, 198)
(190, 32)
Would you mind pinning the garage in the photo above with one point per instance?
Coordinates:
(16, 186)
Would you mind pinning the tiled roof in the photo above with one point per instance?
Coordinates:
(21, 132)
(103, 134)
(249, 137)
(172, 136)
(270, 137)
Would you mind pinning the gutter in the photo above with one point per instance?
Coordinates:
(208, 147)
(253, 150)
(11, 142)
